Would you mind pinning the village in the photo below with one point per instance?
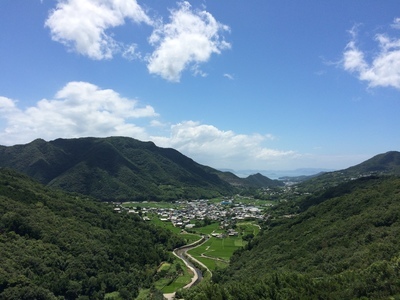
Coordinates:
(188, 214)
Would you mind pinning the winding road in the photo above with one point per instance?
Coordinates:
(183, 255)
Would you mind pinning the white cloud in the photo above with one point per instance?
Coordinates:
(82, 109)
(79, 109)
(384, 68)
(229, 76)
(209, 145)
(396, 23)
(82, 24)
(7, 105)
(189, 39)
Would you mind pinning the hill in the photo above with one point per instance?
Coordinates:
(114, 168)
(345, 246)
(382, 164)
(259, 181)
(252, 181)
(67, 246)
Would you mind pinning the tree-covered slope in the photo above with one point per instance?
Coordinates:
(259, 180)
(114, 168)
(382, 164)
(55, 245)
(346, 246)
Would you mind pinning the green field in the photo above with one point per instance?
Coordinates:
(214, 227)
(173, 276)
(190, 237)
(216, 252)
(165, 205)
(247, 228)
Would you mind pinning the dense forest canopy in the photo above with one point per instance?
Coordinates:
(56, 245)
(334, 236)
(344, 244)
(122, 169)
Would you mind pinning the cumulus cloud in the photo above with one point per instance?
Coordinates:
(82, 25)
(82, 109)
(78, 109)
(189, 39)
(208, 144)
(383, 69)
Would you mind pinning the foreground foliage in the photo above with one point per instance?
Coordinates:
(59, 246)
(343, 244)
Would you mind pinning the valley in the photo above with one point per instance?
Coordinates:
(330, 236)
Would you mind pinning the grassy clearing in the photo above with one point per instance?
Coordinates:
(214, 227)
(173, 277)
(221, 248)
(164, 266)
(212, 264)
(134, 205)
(168, 225)
(190, 237)
(216, 252)
(247, 228)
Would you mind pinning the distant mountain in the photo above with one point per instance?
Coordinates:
(278, 174)
(114, 168)
(382, 164)
(296, 179)
(252, 181)
(258, 180)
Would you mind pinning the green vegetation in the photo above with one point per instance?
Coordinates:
(334, 236)
(115, 168)
(123, 169)
(172, 276)
(56, 245)
(342, 245)
(216, 252)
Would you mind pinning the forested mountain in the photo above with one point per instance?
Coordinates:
(115, 168)
(259, 180)
(54, 245)
(382, 164)
(120, 168)
(344, 246)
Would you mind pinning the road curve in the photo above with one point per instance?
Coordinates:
(183, 255)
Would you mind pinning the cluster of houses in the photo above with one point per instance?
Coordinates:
(187, 213)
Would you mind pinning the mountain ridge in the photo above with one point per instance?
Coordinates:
(119, 168)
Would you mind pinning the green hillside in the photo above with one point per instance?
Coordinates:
(115, 168)
(344, 246)
(62, 246)
(258, 180)
(382, 164)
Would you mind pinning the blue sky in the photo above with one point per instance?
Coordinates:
(273, 85)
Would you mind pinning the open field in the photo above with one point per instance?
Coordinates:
(247, 228)
(173, 276)
(214, 227)
(221, 248)
(165, 205)
(168, 225)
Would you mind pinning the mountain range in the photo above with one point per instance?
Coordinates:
(339, 240)
(122, 169)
